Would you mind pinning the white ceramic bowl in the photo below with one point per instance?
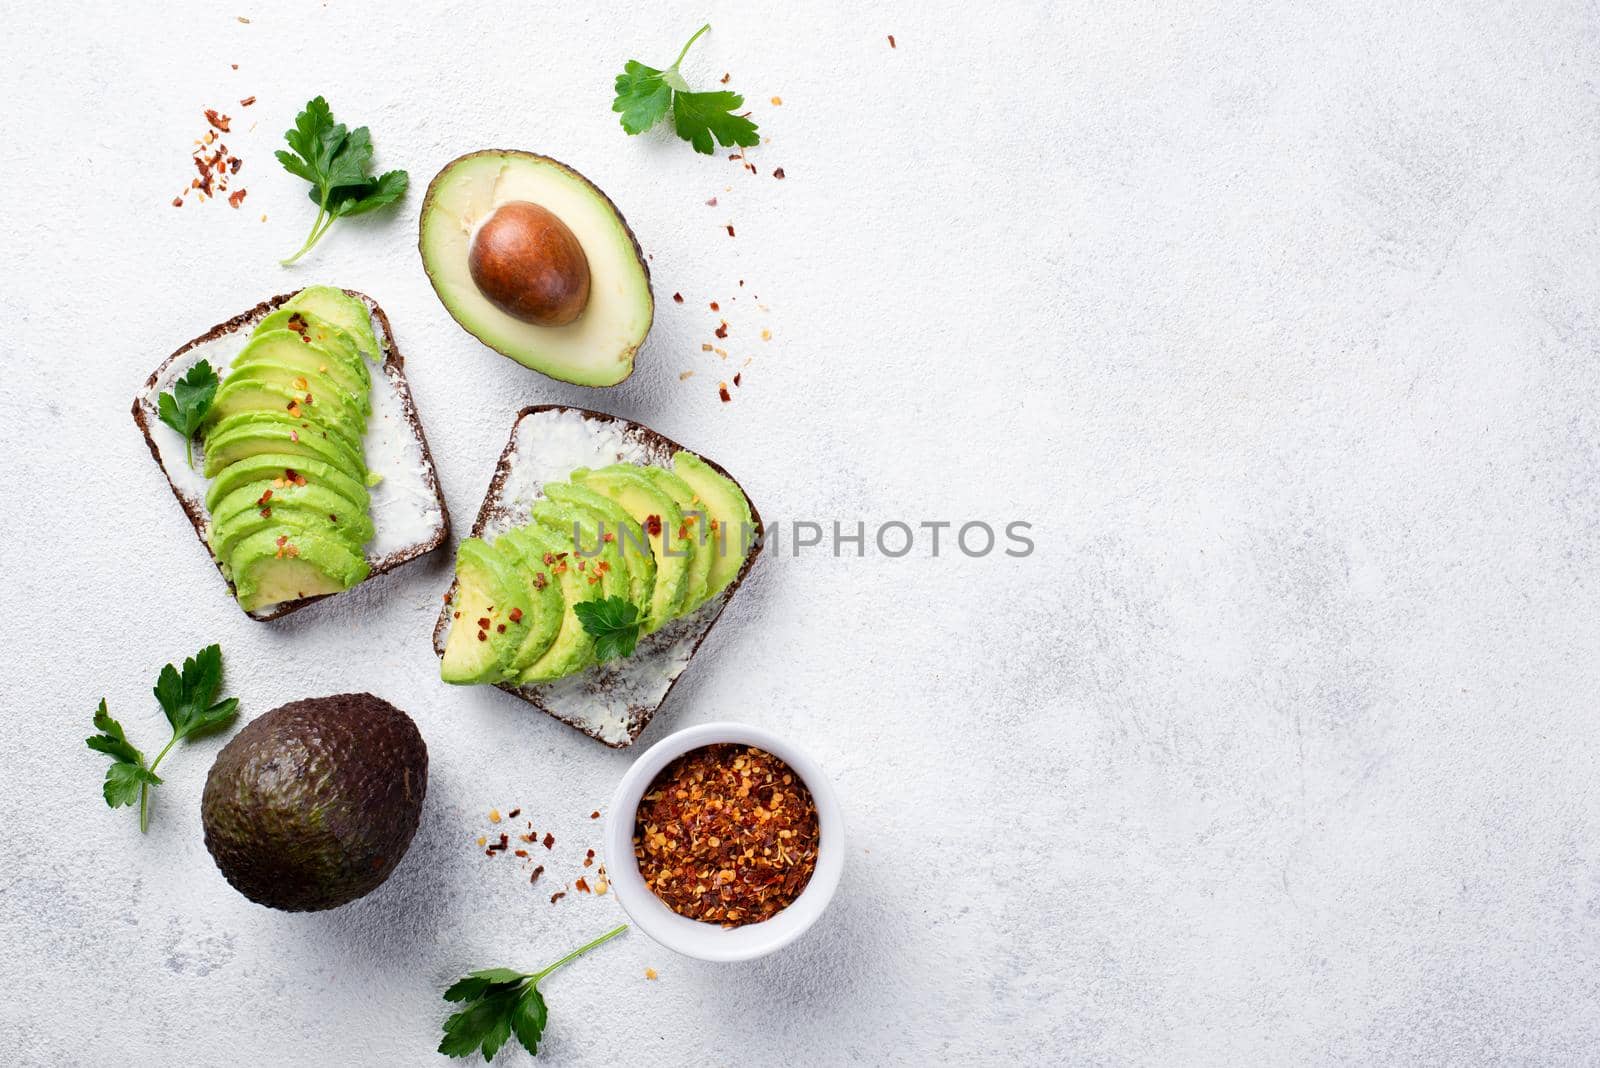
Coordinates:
(709, 941)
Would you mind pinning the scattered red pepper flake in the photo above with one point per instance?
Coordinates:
(730, 229)
(218, 120)
(595, 814)
(722, 391)
(711, 203)
(549, 840)
(726, 834)
(714, 306)
(778, 173)
(736, 376)
(891, 40)
(581, 884)
(513, 814)
(722, 331)
(677, 298)
(247, 101)
(557, 896)
(536, 873)
(516, 617)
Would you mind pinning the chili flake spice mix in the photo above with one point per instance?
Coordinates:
(726, 834)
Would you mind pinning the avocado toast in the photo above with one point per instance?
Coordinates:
(370, 498)
(569, 465)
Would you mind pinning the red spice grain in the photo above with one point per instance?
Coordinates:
(726, 834)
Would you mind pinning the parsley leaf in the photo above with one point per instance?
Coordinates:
(500, 1003)
(186, 698)
(184, 409)
(336, 161)
(645, 95)
(614, 623)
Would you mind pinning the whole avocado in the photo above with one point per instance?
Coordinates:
(313, 804)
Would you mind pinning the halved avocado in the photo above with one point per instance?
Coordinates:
(272, 465)
(579, 532)
(729, 531)
(545, 598)
(343, 311)
(250, 433)
(660, 519)
(622, 531)
(490, 616)
(689, 529)
(530, 261)
(283, 564)
(573, 648)
(338, 363)
(317, 506)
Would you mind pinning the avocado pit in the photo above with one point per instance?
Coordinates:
(529, 264)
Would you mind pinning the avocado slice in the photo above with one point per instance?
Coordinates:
(573, 648)
(285, 564)
(250, 433)
(342, 310)
(729, 531)
(308, 324)
(579, 528)
(271, 465)
(544, 595)
(653, 510)
(624, 533)
(490, 617)
(687, 533)
(313, 804)
(595, 349)
(240, 394)
(258, 505)
(309, 361)
(311, 391)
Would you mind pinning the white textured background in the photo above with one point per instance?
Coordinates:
(1280, 324)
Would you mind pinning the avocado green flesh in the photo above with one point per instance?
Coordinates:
(547, 556)
(545, 598)
(650, 508)
(258, 505)
(573, 648)
(693, 518)
(252, 433)
(340, 309)
(304, 359)
(270, 466)
(728, 531)
(580, 535)
(485, 636)
(283, 564)
(333, 339)
(288, 503)
(241, 395)
(597, 348)
(625, 534)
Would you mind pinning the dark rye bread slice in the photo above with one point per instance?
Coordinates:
(408, 509)
(611, 702)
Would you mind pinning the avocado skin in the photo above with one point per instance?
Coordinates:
(314, 803)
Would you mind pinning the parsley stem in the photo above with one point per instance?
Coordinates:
(580, 951)
(144, 787)
(692, 40)
(316, 234)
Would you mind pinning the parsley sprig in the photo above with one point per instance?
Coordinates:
(501, 1002)
(186, 698)
(614, 624)
(336, 162)
(184, 409)
(644, 96)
